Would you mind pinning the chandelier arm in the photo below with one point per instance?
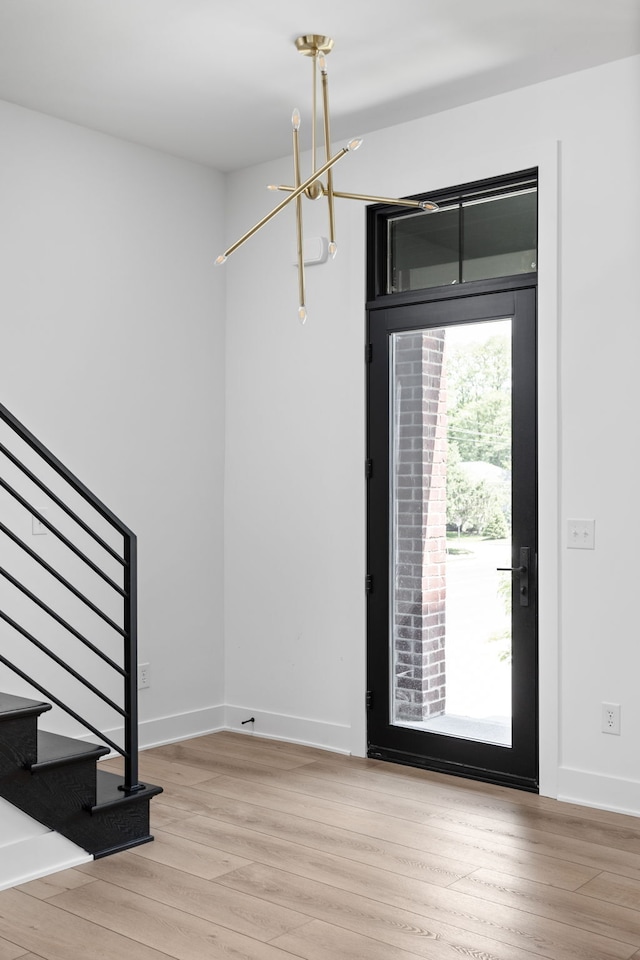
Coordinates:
(314, 111)
(299, 241)
(418, 204)
(327, 146)
(292, 196)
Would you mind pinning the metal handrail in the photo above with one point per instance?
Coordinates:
(51, 696)
(127, 594)
(60, 503)
(63, 623)
(58, 576)
(61, 663)
(60, 536)
(63, 471)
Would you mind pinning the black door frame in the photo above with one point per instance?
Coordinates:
(392, 313)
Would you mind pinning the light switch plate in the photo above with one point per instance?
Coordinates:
(38, 528)
(581, 534)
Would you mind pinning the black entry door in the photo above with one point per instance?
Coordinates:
(452, 601)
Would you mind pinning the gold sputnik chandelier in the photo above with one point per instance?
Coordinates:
(314, 187)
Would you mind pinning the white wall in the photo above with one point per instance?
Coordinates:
(112, 353)
(295, 496)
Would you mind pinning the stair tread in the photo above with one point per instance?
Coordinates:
(108, 793)
(65, 795)
(55, 750)
(39, 857)
(12, 706)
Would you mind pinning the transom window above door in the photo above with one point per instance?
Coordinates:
(473, 236)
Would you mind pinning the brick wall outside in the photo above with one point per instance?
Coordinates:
(420, 526)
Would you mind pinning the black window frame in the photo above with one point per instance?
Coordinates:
(378, 241)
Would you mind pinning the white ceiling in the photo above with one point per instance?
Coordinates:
(216, 81)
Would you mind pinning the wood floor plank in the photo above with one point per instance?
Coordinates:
(160, 927)
(460, 790)
(283, 746)
(609, 920)
(445, 841)
(426, 899)
(614, 889)
(318, 941)
(11, 951)
(624, 833)
(54, 934)
(383, 854)
(425, 785)
(355, 796)
(529, 866)
(194, 896)
(349, 789)
(245, 748)
(55, 883)
(598, 856)
(522, 834)
(181, 854)
(192, 755)
(162, 814)
(399, 928)
(156, 770)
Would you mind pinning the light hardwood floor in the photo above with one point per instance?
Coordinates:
(271, 851)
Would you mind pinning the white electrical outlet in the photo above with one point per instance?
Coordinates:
(144, 676)
(611, 718)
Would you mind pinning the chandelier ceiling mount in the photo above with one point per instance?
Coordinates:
(311, 44)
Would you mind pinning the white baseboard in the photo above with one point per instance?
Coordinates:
(170, 729)
(595, 790)
(276, 726)
(181, 726)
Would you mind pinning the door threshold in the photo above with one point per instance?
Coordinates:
(495, 730)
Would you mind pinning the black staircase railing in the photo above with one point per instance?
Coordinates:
(125, 559)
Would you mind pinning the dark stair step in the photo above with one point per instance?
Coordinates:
(57, 751)
(119, 820)
(57, 783)
(54, 779)
(11, 707)
(18, 731)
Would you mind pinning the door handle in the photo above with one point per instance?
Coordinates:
(523, 572)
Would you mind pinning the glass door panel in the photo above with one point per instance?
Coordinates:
(450, 516)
